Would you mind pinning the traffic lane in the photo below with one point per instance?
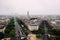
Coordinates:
(46, 37)
(20, 34)
(18, 28)
(46, 30)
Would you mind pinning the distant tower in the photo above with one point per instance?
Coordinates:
(28, 15)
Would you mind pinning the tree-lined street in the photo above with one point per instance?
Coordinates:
(20, 35)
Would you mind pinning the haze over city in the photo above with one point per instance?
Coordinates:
(35, 7)
(29, 19)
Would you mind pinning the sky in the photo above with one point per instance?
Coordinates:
(35, 7)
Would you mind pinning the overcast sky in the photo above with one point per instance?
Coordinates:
(35, 7)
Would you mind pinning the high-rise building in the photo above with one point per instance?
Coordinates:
(28, 15)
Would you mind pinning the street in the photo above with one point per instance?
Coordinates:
(46, 37)
(19, 33)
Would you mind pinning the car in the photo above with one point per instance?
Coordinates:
(22, 37)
